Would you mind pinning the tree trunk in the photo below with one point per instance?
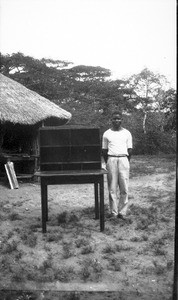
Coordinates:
(144, 122)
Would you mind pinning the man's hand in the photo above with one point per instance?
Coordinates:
(130, 154)
(105, 154)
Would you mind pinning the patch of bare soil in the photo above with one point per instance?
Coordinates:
(132, 259)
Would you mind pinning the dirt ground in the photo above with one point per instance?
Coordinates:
(132, 259)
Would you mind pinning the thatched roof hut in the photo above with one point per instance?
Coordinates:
(19, 105)
(22, 112)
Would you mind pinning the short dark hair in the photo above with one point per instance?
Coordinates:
(116, 112)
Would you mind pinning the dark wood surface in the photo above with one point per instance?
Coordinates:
(70, 172)
(95, 177)
(71, 155)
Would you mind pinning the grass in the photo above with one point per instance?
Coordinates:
(67, 218)
(159, 250)
(47, 263)
(91, 270)
(64, 273)
(62, 218)
(87, 249)
(145, 216)
(74, 249)
(9, 247)
(142, 238)
(122, 247)
(54, 237)
(68, 249)
(159, 268)
(39, 274)
(151, 164)
(115, 263)
(81, 241)
(14, 216)
(109, 248)
(29, 239)
(108, 230)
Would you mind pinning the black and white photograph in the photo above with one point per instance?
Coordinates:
(88, 150)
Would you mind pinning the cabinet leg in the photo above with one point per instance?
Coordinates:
(102, 204)
(96, 201)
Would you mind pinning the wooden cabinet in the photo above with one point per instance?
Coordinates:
(69, 148)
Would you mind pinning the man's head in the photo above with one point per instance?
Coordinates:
(116, 119)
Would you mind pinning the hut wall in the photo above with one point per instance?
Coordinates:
(20, 145)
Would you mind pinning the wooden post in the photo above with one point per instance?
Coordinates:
(9, 166)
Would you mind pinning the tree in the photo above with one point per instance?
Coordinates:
(147, 87)
(168, 106)
(87, 92)
(33, 73)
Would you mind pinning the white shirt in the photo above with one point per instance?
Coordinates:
(117, 142)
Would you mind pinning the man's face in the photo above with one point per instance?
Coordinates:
(116, 120)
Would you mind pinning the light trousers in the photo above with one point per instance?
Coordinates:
(118, 182)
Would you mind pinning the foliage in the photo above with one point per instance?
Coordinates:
(149, 107)
(148, 87)
(169, 106)
(155, 142)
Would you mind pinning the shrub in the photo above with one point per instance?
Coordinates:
(159, 250)
(144, 237)
(29, 239)
(68, 250)
(114, 264)
(135, 239)
(64, 274)
(10, 234)
(109, 249)
(73, 218)
(47, 263)
(14, 216)
(159, 269)
(18, 273)
(87, 249)
(155, 141)
(62, 218)
(108, 231)
(170, 265)
(10, 247)
(91, 269)
(81, 242)
(18, 254)
(54, 237)
(122, 247)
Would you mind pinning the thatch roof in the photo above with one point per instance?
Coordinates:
(20, 105)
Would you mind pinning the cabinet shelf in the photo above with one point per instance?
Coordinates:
(70, 162)
(70, 148)
(71, 145)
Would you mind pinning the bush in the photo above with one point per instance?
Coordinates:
(154, 142)
(29, 239)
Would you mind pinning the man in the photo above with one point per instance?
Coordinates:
(117, 150)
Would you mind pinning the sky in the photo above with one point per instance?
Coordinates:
(124, 36)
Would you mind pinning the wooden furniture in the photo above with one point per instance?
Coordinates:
(71, 155)
(23, 162)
